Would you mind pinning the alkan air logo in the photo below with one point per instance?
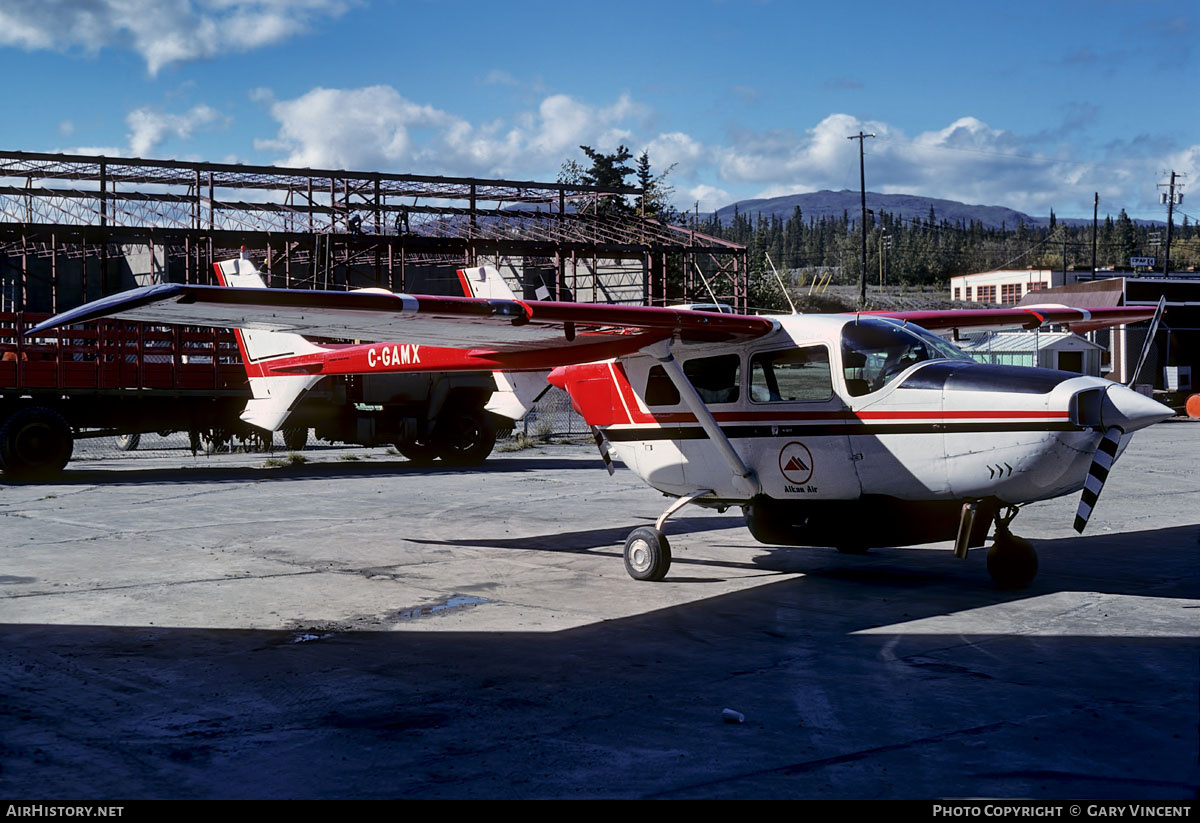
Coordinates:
(796, 463)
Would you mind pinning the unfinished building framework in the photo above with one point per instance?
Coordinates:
(74, 228)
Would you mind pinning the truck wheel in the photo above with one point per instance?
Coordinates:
(465, 437)
(418, 451)
(35, 443)
(128, 442)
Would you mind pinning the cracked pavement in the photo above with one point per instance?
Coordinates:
(179, 627)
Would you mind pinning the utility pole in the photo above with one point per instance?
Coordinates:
(1095, 215)
(885, 246)
(1064, 238)
(1169, 198)
(862, 183)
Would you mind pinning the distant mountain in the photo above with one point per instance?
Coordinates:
(820, 204)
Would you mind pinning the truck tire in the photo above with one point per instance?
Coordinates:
(35, 443)
(418, 451)
(128, 442)
(465, 436)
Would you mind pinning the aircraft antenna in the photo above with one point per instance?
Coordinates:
(786, 296)
(706, 286)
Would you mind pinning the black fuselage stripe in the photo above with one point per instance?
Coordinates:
(821, 430)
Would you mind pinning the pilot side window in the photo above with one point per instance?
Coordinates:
(792, 375)
(875, 352)
(716, 380)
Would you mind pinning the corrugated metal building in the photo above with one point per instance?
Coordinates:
(1047, 350)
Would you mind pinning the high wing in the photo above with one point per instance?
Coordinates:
(457, 333)
(1022, 317)
(454, 332)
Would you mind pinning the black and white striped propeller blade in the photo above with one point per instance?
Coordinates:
(602, 445)
(1106, 455)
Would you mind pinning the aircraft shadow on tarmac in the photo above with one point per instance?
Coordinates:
(1110, 562)
(386, 468)
(840, 698)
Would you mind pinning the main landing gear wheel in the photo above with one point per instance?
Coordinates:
(647, 554)
(1011, 561)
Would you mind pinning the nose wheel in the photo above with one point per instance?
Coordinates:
(1011, 561)
(647, 554)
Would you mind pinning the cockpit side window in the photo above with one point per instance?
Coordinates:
(791, 375)
(660, 391)
(875, 352)
(716, 379)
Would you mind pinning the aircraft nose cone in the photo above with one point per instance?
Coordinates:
(1130, 411)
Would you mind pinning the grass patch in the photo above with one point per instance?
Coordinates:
(293, 459)
(520, 442)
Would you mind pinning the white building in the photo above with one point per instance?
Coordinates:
(1007, 286)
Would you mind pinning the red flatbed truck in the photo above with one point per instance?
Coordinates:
(109, 378)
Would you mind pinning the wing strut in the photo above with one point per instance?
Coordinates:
(1148, 342)
(744, 478)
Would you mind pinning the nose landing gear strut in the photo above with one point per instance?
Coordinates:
(1011, 561)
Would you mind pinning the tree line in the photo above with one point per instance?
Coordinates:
(912, 252)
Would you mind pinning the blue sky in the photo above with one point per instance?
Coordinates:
(1032, 105)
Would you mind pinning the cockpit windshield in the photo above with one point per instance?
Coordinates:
(875, 352)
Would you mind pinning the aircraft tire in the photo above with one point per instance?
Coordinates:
(1011, 561)
(35, 443)
(647, 554)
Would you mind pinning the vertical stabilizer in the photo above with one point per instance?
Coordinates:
(515, 392)
(274, 397)
(486, 282)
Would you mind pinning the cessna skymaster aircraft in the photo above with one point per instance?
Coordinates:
(848, 430)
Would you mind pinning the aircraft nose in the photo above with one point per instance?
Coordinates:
(1130, 411)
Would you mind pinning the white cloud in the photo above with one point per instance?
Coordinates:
(967, 160)
(365, 128)
(149, 127)
(378, 128)
(710, 198)
(676, 149)
(161, 31)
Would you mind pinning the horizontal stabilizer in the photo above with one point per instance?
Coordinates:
(275, 398)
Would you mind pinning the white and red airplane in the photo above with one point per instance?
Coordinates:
(847, 430)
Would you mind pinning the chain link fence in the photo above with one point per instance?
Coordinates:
(551, 416)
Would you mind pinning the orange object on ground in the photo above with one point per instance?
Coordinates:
(1193, 407)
